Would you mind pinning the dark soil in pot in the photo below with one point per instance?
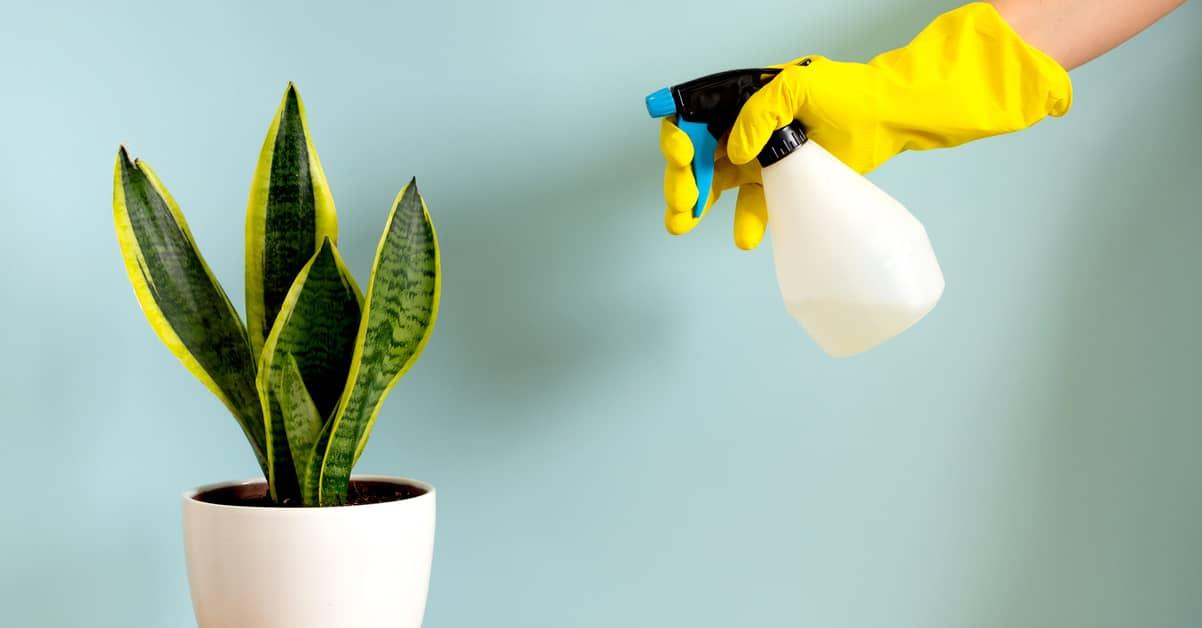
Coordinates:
(362, 492)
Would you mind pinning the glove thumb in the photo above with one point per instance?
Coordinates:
(769, 109)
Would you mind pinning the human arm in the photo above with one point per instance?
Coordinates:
(1074, 32)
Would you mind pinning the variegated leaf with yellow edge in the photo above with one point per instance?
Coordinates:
(315, 330)
(289, 213)
(301, 420)
(183, 302)
(398, 317)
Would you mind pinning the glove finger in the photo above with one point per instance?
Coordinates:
(680, 195)
(674, 144)
(751, 216)
(728, 175)
(767, 110)
(680, 190)
(679, 219)
(679, 224)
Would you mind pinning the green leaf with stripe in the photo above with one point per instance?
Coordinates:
(183, 302)
(316, 329)
(311, 480)
(398, 317)
(289, 213)
(302, 421)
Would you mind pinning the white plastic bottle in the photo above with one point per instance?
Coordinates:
(854, 267)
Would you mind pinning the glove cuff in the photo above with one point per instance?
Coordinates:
(1041, 71)
(976, 77)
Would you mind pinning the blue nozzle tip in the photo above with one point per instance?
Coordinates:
(660, 103)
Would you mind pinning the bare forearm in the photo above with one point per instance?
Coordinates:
(1076, 31)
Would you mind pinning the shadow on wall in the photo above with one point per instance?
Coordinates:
(1106, 536)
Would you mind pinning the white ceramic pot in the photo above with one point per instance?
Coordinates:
(365, 566)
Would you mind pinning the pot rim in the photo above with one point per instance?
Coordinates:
(190, 496)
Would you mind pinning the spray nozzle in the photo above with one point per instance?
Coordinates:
(714, 100)
(706, 109)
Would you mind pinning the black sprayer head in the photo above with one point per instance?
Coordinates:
(707, 107)
(715, 100)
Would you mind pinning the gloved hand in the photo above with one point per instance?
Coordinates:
(966, 76)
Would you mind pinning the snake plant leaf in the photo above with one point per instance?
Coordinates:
(316, 327)
(289, 213)
(183, 302)
(302, 421)
(398, 317)
(311, 480)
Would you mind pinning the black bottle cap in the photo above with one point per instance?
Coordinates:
(782, 143)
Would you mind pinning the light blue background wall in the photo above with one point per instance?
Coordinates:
(626, 429)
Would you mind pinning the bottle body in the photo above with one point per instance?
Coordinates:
(855, 268)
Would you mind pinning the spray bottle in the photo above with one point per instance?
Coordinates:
(854, 267)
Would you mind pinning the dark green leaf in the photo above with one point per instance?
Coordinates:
(185, 305)
(290, 212)
(317, 328)
(398, 317)
(302, 421)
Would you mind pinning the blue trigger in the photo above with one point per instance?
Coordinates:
(704, 146)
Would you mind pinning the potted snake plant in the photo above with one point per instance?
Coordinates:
(306, 545)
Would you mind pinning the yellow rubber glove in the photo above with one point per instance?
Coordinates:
(966, 76)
